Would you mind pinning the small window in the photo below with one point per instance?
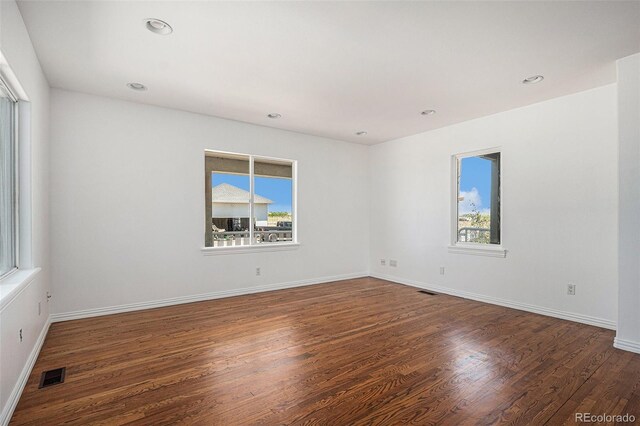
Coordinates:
(8, 193)
(478, 198)
(249, 200)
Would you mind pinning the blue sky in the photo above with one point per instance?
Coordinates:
(276, 189)
(475, 184)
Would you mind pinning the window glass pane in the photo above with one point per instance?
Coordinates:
(273, 201)
(479, 199)
(7, 185)
(229, 202)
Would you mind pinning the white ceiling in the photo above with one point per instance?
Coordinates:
(334, 68)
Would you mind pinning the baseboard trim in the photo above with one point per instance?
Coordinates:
(130, 307)
(626, 345)
(570, 316)
(12, 402)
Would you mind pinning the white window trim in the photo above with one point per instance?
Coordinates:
(15, 283)
(255, 248)
(476, 249)
(15, 141)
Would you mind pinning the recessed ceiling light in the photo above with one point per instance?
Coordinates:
(137, 86)
(158, 26)
(274, 115)
(361, 133)
(428, 112)
(533, 79)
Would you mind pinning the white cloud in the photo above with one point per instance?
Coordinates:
(470, 201)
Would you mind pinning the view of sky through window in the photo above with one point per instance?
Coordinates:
(475, 185)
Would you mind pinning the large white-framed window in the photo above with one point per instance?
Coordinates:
(476, 203)
(250, 202)
(17, 268)
(8, 180)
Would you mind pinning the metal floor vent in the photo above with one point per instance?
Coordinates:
(52, 377)
(427, 292)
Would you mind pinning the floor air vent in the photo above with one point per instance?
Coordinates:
(427, 292)
(52, 377)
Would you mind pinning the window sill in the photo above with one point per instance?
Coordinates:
(214, 251)
(13, 284)
(477, 250)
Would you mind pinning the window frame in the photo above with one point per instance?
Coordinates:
(25, 270)
(479, 249)
(15, 125)
(252, 246)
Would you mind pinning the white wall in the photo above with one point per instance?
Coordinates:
(17, 358)
(22, 312)
(628, 334)
(116, 162)
(128, 204)
(559, 207)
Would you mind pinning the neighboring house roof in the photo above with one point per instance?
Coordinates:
(225, 193)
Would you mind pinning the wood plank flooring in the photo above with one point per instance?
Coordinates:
(362, 351)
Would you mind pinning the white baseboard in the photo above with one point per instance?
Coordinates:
(88, 313)
(12, 402)
(626, 345)
(584, 319)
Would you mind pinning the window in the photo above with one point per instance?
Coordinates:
(249, 200)
(478, 198)
(8, 193)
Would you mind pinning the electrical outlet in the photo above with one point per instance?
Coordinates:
(442, 270)
(48, 296)
(383, 262)
(393, 263)
(571, 289)
(257, 272)
(39, 308)
(21, 335)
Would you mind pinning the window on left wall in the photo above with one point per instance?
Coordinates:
(8, 192)
(249, 200)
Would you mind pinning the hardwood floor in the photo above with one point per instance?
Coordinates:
(362, 351)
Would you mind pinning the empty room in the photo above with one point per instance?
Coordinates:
(319, 212)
